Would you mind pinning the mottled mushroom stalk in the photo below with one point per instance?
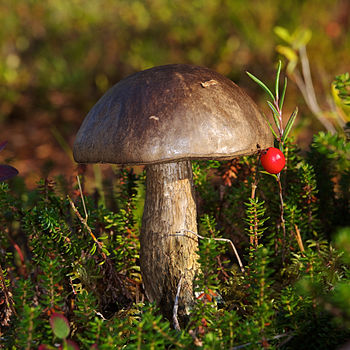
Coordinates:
(166, 256)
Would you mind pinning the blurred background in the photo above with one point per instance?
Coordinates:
(58, 57)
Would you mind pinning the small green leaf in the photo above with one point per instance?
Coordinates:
(283, 93)
(93, 249)
(275, 115)
(105, 250)
(262, 85)
(289, 125)
(265, 172)
(59, 325)
(278, 79)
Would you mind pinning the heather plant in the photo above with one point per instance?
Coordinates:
(70, 275)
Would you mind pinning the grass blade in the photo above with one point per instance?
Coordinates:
(262, 85)
(277, 82)
(275, 115)
(283, 93)
(290, 123)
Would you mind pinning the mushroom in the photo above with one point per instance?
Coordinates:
(163, 118)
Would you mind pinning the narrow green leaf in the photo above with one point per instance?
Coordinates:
(275, 115)
(277, 82)
(270, 126)
(289, 125)
(283, 93)
(93, 249)
(267, 173)
(105, 250)
(262, 85)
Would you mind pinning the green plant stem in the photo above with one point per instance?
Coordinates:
(30, 329)
(254, 240)
(252, 196)
(282, 217)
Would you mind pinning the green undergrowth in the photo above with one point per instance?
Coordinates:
(79, 259)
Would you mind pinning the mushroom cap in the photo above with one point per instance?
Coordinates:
(171, 113)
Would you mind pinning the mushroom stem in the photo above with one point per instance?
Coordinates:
(165, 257)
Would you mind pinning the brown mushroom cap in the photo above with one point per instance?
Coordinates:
(170, 113)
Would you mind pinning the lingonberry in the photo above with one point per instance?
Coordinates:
(272, 160)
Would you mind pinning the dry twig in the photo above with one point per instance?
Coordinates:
(218, 239)
(176, 306)
(84, 220)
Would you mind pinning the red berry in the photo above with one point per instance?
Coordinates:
(272, 160)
